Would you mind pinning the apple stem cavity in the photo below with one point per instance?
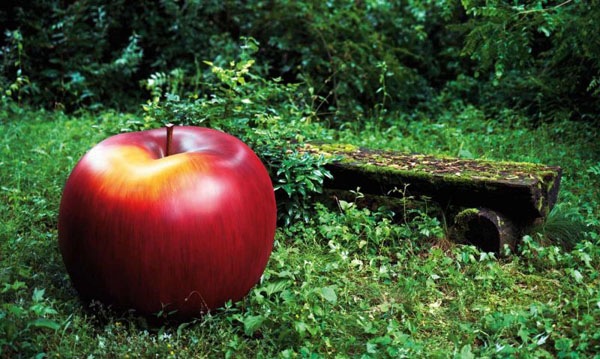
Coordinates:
(169, 127)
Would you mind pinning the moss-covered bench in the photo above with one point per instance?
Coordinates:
(490, 203)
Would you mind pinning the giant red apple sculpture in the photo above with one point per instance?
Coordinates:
(182, 219)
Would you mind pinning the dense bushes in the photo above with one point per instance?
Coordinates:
(352, 57)
(543, 56)
(91, 52)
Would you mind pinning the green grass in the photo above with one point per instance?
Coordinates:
(351, 283)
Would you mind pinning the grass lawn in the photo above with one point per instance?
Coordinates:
(352, 283)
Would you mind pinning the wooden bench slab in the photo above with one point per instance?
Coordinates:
(519, 192)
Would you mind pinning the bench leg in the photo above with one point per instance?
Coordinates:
(484, 228)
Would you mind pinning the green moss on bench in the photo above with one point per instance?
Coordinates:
(520, 190)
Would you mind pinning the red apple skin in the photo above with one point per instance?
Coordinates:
(185, 232)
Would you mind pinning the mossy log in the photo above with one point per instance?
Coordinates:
(508, 196)
(484, 228)
(521, 191)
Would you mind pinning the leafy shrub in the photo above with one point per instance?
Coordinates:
(93, 53)
(14, 84)
(540, 56)
(352, 57)
(271, 117)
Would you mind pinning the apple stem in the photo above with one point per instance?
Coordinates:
(169, 127)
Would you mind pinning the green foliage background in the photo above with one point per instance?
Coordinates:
(352, 56)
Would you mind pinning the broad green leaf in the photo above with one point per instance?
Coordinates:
(328, 293)
(252, 323)
(38, 294)
(45, 323)
(465, 352)
(275, 287)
